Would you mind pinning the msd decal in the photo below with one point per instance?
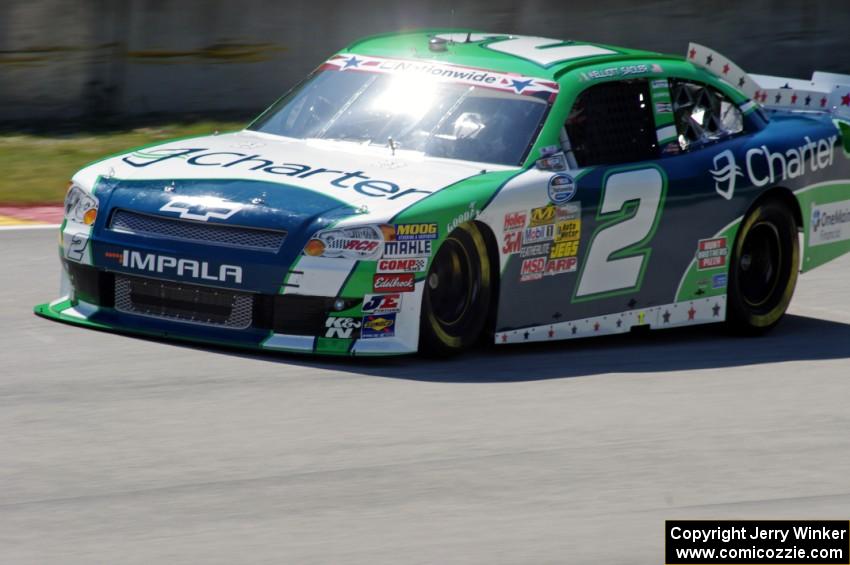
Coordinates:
(166, 265)
(402, 282)
(201, 208)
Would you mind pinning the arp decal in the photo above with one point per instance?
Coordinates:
(400, 282)
(375, 326)
(512, 242)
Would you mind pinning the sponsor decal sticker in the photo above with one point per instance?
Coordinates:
(532, 269)
(342, 328)
(402, 265)
(562, 188)
(830, 223)
(399, 282)
(176, 266)
(535, 250)
(466, 216)
(719, 281)
(540, 233)
(415, 232)
(515, 221)
(380, 325)
(381, 303)
(543, 215)
(568, 230)
(564, 249)
(512, 242)
(404, 249)
(711, 253)
(561, 265)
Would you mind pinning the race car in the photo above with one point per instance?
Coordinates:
(430, 190)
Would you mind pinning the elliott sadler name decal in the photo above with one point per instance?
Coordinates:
(203, 157)
(163, 264)
(765, 167)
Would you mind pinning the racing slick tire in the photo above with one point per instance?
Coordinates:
(764, 268)
(459, 288)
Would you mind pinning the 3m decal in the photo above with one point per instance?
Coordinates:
(342, 328)
(405, 249)
(415, 232)
(631, 206)
(201, 208)
(401, 282)
(378, 326)
(381, 303)
(830, 223)
(512, 242)
(711, 253)
(401, 265)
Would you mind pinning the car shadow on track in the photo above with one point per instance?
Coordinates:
(797, 338)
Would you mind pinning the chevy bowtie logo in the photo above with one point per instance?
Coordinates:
(725, 173)
(201, 207)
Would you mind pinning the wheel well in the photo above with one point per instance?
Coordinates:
(495, 274)
(783, 195)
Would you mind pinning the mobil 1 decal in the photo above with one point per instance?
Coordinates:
(617, 245)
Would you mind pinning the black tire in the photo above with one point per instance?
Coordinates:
(764, 268)
(457, 295)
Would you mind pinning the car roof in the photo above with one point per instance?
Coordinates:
(414, 45)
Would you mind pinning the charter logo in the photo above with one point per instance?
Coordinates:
(830, 223)
(725, 172)
(201, 208)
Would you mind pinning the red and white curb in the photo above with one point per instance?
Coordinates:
(30, 217)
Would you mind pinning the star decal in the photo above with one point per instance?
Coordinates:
(666, 316)
(692, 53)
(741, 82)
(794, 98)
(726, 68)
(519, 85)
(845, 100)
(557, 315)
(551, 332)
(778, 97)
(596, 327)
(808, 100)
(525, 335)
(716, 310)
(691, 313)
(699, 292)
(619, 323)
(823, 102)
(708, 60)
(632, 303)
(504, 338)
(352, 62)
(574, 330)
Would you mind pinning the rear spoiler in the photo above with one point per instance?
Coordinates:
(825, 92)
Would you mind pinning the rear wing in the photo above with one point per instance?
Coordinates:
(825, 92)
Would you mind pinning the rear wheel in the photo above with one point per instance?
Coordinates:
(457, 295)
(764, 268)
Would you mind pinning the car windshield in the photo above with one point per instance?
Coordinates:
(454, 120)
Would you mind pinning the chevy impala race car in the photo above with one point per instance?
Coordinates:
(428, 190)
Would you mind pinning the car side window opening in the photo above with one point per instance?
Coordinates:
(703, 114)
(612, 123)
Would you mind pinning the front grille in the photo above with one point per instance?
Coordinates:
(125, 221)
(183, 302)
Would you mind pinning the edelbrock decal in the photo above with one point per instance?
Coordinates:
(203, 157)
(830, 223)
(175, 266)
(201, 208)
(764, 167)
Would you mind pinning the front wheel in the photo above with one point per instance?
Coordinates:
(457, 295)
(764, 268)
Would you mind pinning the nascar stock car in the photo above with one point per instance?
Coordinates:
(426, 190)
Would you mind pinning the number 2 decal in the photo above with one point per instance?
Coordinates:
(629, 211)
(539, 50)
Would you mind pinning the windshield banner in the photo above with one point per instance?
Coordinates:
(517, 84)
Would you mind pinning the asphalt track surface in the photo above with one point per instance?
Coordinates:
(116, 449)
